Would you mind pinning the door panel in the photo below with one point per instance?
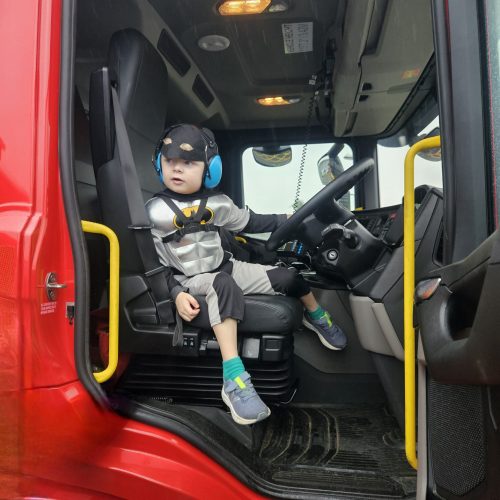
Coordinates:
(459, 323)
(460, 332)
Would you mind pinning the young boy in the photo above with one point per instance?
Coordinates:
(187, 218)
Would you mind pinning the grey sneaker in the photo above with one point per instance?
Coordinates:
(330, 334)
(243, 401)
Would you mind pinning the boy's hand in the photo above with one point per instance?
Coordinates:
(187, 306)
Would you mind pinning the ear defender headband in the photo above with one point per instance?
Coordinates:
(213, 162)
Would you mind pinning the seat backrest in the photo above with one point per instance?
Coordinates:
(142, 80)
(140, 77)
(128, 95)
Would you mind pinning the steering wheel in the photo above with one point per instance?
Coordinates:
(330, 193)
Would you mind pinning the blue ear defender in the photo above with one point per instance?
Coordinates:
(214, 172)
(157, 165)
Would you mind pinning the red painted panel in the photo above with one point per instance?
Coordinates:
(55, 441)
(33, 234)
(70, 442)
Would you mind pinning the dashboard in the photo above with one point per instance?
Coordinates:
(387, 223)
(380, 221)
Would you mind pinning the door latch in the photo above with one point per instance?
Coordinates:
(51, 286)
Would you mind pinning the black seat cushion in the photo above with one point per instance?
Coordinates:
(263, 314)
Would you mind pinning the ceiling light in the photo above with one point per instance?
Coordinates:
(241, 7)
(277, 100)
(279, 6)
(213, 43)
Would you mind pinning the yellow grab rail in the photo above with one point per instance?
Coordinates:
(114, 281)
(409, 290)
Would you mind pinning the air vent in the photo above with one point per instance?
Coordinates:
(173, 54)
(363, 97)
(201, 90)
(366, 87)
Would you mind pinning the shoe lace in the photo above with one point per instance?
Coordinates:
(246, 393)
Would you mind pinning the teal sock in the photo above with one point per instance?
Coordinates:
(317, 314)
(232, 368)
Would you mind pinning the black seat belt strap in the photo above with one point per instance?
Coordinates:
(201, 210)
(180, 214)
(154, 271)
(183, 218)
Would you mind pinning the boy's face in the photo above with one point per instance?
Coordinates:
(182, 176)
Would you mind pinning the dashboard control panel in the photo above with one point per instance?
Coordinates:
(378, 221)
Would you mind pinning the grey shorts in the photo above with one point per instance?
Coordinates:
(224, 289)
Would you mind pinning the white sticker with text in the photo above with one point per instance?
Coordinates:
(297, 37)
(48, 307)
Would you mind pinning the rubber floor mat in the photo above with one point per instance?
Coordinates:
(349, 450)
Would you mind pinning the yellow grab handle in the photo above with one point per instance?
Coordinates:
(409, 290)
(114, 281)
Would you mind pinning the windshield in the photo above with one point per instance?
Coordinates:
(274, 189)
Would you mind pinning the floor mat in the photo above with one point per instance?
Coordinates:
(349, 450)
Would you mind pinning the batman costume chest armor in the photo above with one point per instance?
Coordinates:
(186, 233)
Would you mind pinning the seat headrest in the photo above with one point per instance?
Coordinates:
(142, 82)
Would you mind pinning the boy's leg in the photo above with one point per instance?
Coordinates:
(237, 391)
(271, 280)
(226, 306)
(319, 321)
(223, 296)
(267, 280)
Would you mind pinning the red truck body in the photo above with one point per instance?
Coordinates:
(55, 440)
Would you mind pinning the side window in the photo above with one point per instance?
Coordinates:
(391, 170)
(273, 189)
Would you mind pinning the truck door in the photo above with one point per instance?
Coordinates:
(36, 268)
(459, 415)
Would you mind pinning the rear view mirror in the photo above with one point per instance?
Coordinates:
(433, 154)
(272, 156)
(329, 165)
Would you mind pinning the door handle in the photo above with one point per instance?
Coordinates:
(51, 286)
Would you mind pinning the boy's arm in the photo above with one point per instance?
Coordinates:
(174, 286)
(264, 223)
(245, 220)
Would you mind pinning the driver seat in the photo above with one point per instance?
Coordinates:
(138, 73)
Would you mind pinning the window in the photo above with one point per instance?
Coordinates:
(391, 170)
(273, 189)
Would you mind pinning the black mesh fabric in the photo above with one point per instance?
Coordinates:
(456, 436)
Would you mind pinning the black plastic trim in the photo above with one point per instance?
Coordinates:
(445, 110)
(489, 120)
(66, 159)
(462, 123)
(169, 48)
(202, 92)
(459, 323)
